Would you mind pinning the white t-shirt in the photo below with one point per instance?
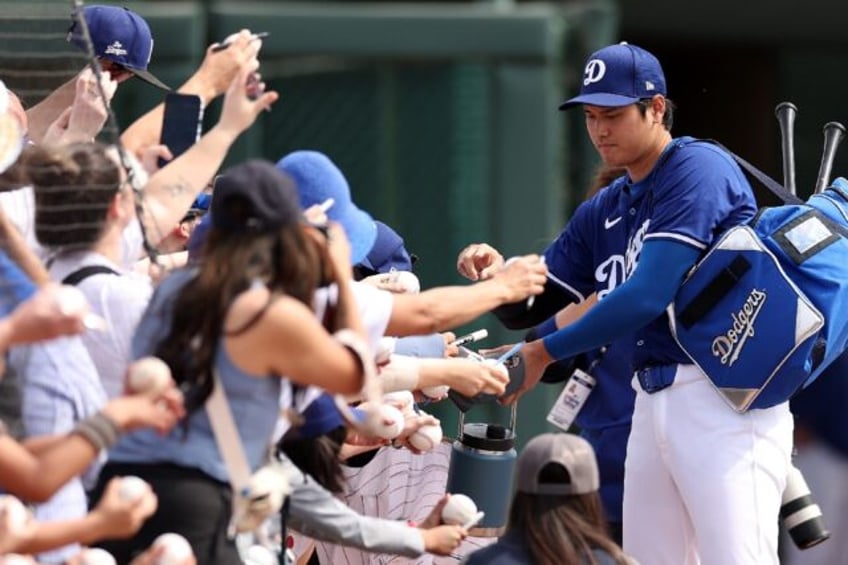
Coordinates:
(19, 207)
(118, 299)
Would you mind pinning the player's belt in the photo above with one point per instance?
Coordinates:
(654, 379)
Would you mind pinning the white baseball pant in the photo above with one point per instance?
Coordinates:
(703, 484)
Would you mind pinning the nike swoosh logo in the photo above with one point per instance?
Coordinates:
(610, 223)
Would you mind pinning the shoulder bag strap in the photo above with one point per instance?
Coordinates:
(230, 446)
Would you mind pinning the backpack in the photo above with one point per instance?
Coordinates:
(765, 311)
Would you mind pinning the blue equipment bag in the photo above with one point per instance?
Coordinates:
(766, 309)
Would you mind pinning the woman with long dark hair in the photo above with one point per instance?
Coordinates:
(241, 319)
(556, 517)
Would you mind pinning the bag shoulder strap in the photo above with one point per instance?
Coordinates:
(229, 444)
(73, 279)
(772, 185)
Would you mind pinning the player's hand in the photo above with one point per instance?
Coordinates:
(479, 261)
(535, 358)
(442, 540)
(522, 277)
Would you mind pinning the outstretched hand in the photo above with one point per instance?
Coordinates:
(479, 261)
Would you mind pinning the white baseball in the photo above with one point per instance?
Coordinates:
(132, 488)
(403, 398)
(177, 549)
(260, 555)
(408, 281)
(459, 510)
(426, 438)
(385, 413)
(97, 556)
(14, 513)
(438, 391)
(149, 375)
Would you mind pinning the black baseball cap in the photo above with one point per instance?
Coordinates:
(254, 197)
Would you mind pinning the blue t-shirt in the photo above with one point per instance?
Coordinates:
(254, 402)
(693, 195)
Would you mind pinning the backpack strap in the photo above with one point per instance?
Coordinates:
(772, 185)
(80, 275)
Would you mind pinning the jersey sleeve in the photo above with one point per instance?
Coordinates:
(699, 194)
(569, 256)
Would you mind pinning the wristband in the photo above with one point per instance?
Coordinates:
(401, 373)
(370, 386)
(100, 430)
(544, 329)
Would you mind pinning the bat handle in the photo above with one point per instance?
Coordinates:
(834, 133)
(786, 112)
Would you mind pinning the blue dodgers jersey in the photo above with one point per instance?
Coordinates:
(694, 194)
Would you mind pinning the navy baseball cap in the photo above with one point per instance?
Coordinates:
(254, 197)
(120, 35)
(323, 416)
(619, 75)
(388, 252)
(317, 179)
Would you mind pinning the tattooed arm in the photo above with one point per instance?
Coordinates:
(171, 190)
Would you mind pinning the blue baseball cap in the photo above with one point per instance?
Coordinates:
(198, 237)
(120, 35)
(619, 75)
(317, 179)
(388, 252)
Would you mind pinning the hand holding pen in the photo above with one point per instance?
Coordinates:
(229, 41)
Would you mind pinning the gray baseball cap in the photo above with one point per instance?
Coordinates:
(570, 451)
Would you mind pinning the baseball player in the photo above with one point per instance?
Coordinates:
(702, 483)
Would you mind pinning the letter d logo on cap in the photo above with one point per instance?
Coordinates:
(595, 71)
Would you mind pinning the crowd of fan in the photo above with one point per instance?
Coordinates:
(264, 282)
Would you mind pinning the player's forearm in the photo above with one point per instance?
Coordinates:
(444, 308)
(170, 192)
(630, 306)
